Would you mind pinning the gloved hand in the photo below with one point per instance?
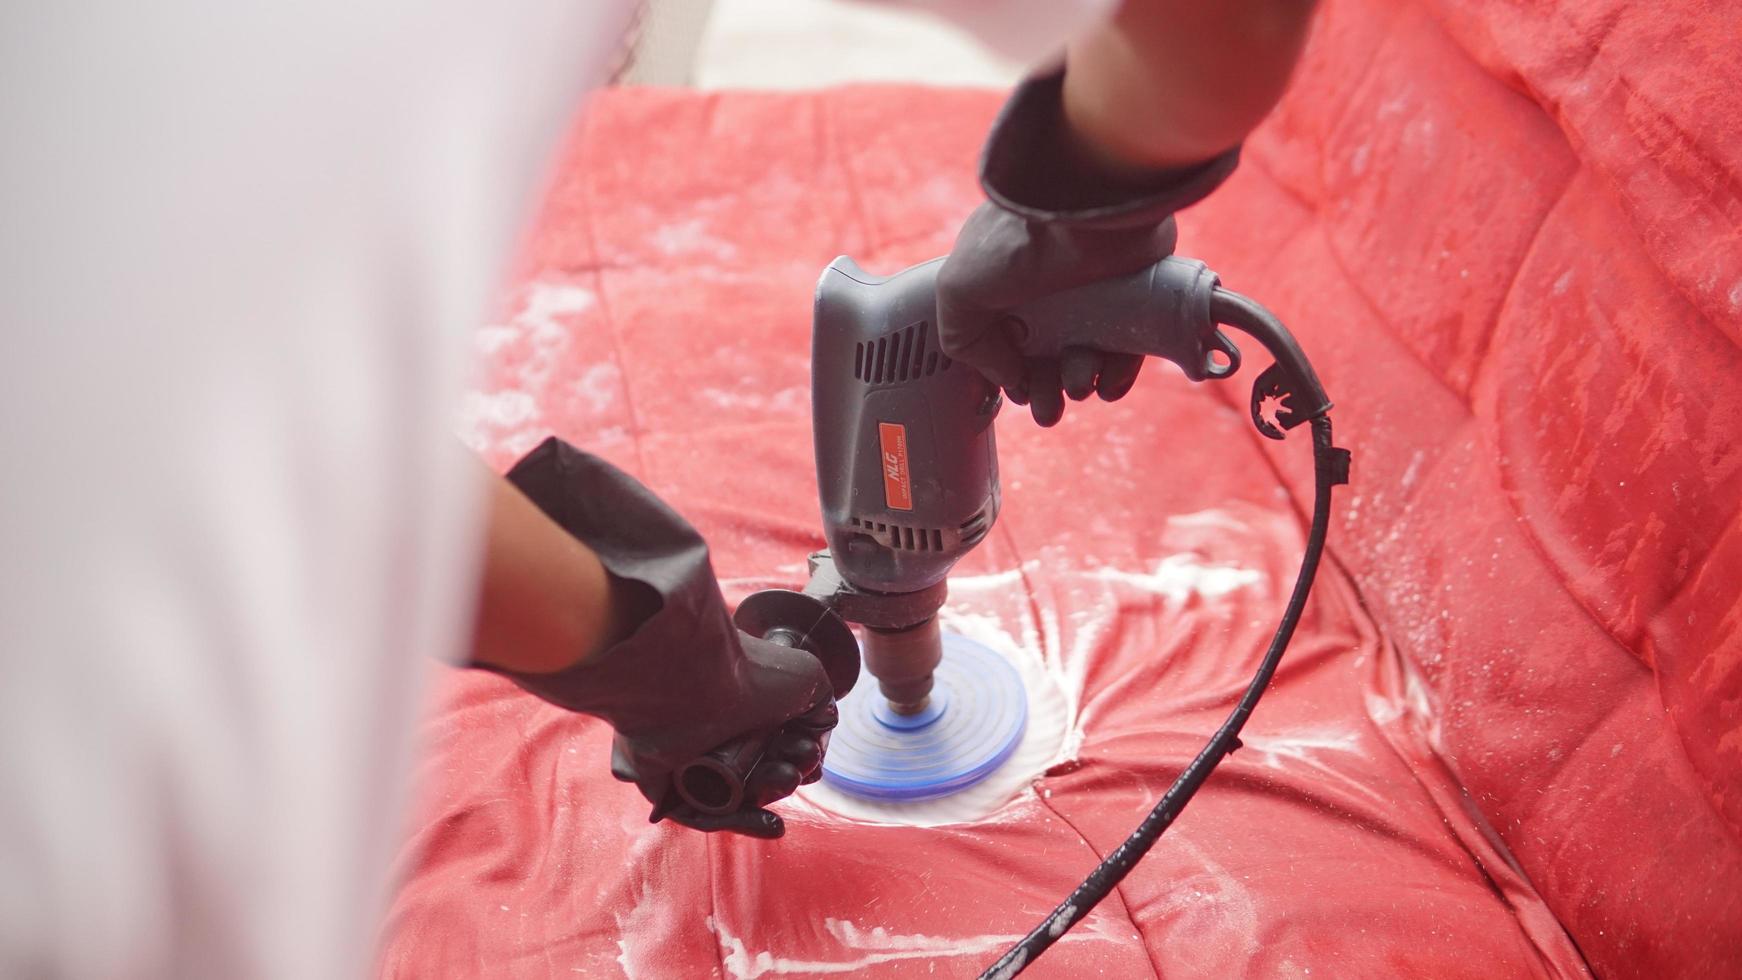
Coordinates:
(1056, 219)
(781, 701)
(686, 680)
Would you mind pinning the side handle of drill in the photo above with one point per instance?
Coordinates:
(714, 783)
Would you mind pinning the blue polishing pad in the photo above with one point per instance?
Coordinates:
(974, 722)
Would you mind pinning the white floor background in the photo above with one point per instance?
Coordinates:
(787, 44)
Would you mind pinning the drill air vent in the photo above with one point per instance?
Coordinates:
(901, 538)
(902, 355)
(975, 528)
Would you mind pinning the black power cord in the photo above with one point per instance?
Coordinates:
(1290, 380)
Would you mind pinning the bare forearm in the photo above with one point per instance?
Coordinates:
(1168, 83)
(545, 602)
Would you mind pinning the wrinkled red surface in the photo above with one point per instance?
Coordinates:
(1508, 738)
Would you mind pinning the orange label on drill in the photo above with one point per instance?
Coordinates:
(897, 483)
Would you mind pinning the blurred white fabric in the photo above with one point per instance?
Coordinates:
(242, 249)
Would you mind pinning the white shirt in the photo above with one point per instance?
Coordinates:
(241, 246)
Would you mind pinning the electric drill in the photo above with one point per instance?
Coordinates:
(907, 460)
(907, 470)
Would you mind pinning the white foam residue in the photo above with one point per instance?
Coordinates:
(1303, 742)
(1412, 471)
(691, 238)
(1209, 902)
(1208, 520)
(531, 346)
(1009, 578)
(492, 338)
(750, 399)
(598, 385)
(546, 300)
(877, 944)
(1306, 747)
(1420, 704)
(1382, 710)
(1180, 576)
(649, 917)
(540, 324)
(493, 418)
(627, 952)
(1358, 159)
(501, 409)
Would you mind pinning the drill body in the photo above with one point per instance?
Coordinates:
(907, 459)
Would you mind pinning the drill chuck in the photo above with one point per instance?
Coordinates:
(903, 662)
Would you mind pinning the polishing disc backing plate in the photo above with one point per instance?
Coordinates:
(975, 720)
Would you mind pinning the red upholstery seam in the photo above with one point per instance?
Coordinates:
(1118, 890)
(1471, 811)
(1027, 588)
(832, 148)
(1518, 519)
(1040, 634)
(1733, 524)
(1317, 219)
(1641, 104)
(1482, 354)
(605, 308)
(1332, 557)
(713, 903)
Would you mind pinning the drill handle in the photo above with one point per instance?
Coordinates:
(1162, 311)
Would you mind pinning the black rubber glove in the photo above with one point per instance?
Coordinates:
(1055, 220)
(686, 681)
